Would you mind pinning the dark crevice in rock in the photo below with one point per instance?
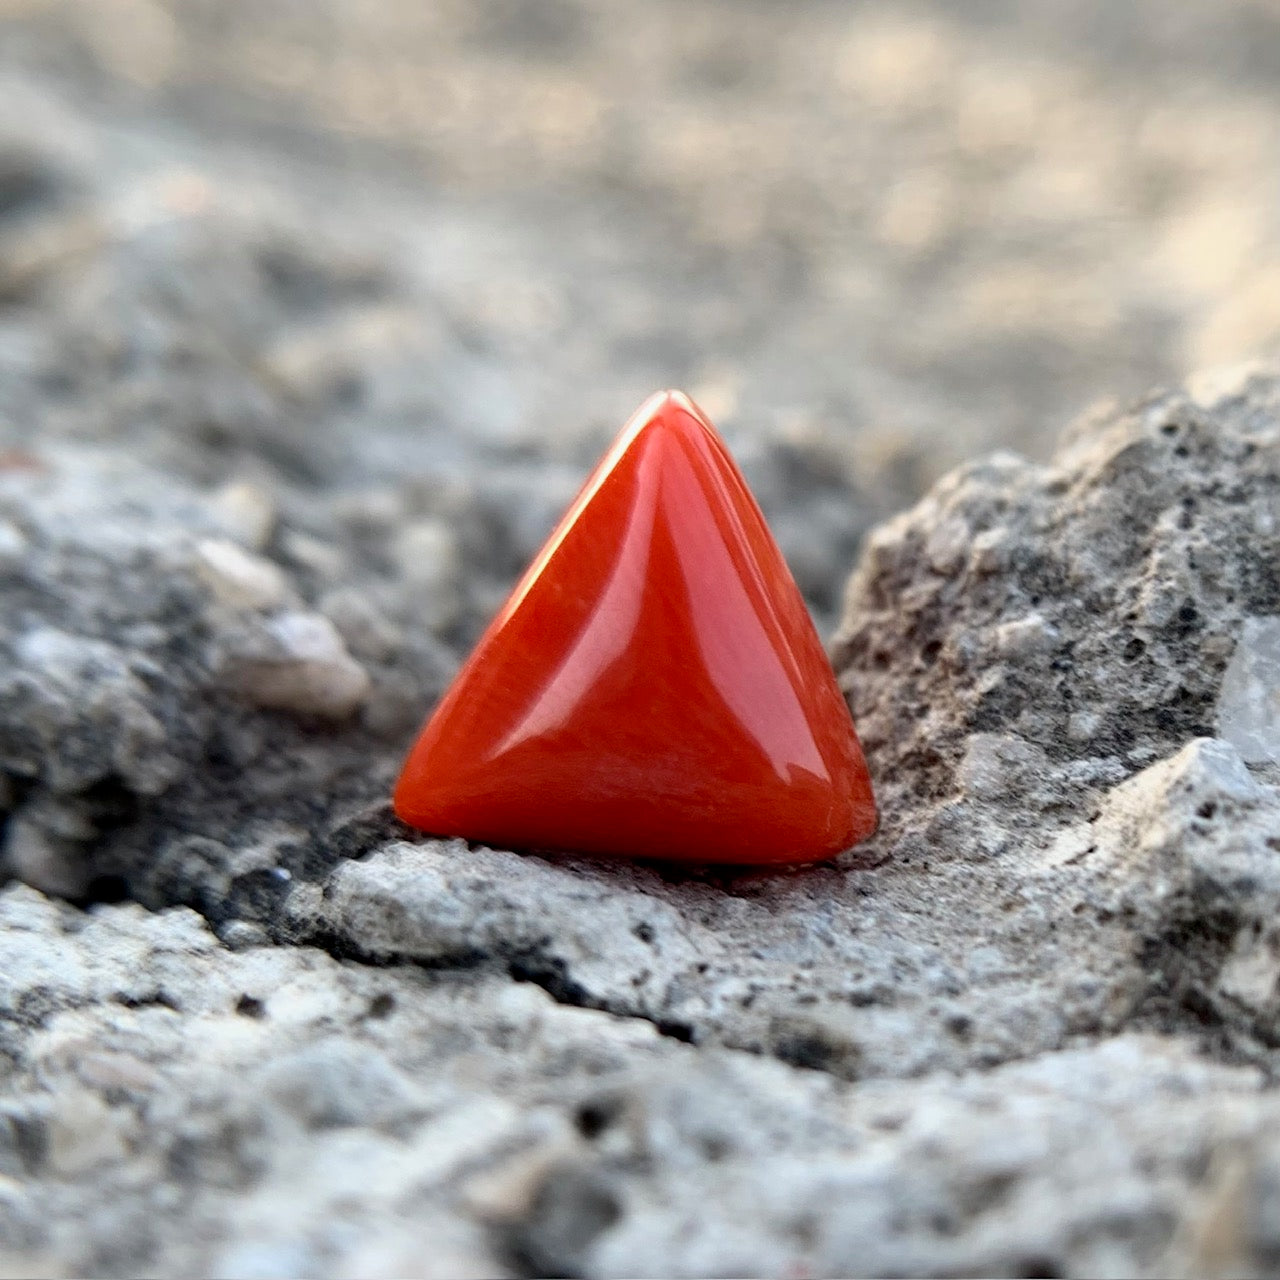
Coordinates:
(541, 970)
(551, 974)
(105, 889)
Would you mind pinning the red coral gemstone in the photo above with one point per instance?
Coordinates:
(654, 686)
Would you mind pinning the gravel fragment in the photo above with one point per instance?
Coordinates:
(296, 662)
(1249, 703)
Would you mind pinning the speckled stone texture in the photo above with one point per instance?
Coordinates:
(1034, 655)
(1028, 1029)
(292, 302)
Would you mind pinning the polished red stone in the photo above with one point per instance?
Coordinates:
(654, 686)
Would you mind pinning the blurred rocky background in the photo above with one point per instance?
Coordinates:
(314, 313)
(343, 241)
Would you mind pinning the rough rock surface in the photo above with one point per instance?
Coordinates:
(174, 1107)
(1029, 1028)
(288, 311)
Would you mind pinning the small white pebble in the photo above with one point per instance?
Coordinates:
(246, 511)
(304, 667)
(322, 558)
(237, 578)
(426, 552)
(13, 547)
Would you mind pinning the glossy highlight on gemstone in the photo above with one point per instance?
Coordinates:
(654, 686)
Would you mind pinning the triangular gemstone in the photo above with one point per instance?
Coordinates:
(654, 686)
